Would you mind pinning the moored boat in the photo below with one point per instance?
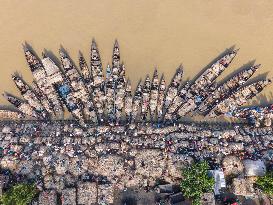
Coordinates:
(203, 83)
(210, 74)
(154, 95)
(53, 76)
(116, 67)
(40, 78)
(120, 94)
(22, 106)
(43, 99)
(256, 115)
(145, 99)
(29, 95)
(161, 95)
(110, 95)
(86, 73)
(98, 93)
(128, 102)
(238, 98)
(227, 88)
(79, 88)
(73, 104)
(136, 102)
(173, 88)
(178, 100)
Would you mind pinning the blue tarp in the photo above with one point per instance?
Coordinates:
(258, 109)
(71, 106)
(198, 99)
(64, 90)
(229, 114)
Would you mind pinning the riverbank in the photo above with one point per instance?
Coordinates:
(59, 156)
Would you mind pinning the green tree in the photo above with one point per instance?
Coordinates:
(265, 183)
(196, 181)
(19, 194)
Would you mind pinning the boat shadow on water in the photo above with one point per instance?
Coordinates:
(237, 71)
(53, 57)
(221, 55)
(263, 99)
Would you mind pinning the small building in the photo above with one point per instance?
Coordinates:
(254, 168)
(168, 188)
(219, 180)
(176, 198)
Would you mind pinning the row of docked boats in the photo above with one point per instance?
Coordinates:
(90, 97)
(255, 115)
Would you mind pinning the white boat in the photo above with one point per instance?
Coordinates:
(53, 76)
(256, 115)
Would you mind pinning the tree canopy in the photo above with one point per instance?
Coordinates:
(265, 183)
(196, 181)
(19, 194)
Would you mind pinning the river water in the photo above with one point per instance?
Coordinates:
(152, 33)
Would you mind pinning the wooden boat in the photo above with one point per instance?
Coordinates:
(173, 88)
(30, 96)
(110, 95)
(136, 102)
(227, 88)
(238, 98)
(128, 101)
(120, 94)
(154, 95)
(203, 83)
(22, 106)
(161, 95)
(98, 93)
(145, 99)
(86, 73)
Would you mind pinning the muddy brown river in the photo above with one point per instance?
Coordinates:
(160, 34)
